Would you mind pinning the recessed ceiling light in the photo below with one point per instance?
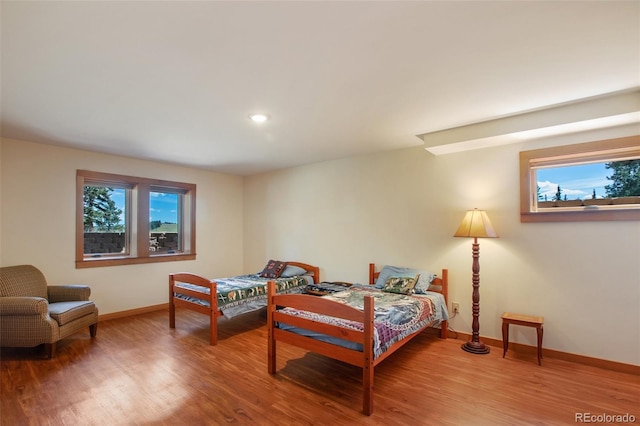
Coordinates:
(259, 117)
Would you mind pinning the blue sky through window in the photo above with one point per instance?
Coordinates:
(576, 182)
(162, 206)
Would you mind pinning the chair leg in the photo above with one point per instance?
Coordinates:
(50, 349)
(93, 329)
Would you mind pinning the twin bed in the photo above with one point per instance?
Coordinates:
(360, 324)
(235, 295)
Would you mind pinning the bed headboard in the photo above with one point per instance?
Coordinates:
(440, 284)
(313, 270)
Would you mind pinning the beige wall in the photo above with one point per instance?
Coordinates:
(402, 208)
(38, 198)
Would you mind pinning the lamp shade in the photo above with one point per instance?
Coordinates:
(476, 224)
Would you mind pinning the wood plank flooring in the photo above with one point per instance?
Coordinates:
(139, 372)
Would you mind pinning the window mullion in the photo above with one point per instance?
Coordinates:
(142, 235)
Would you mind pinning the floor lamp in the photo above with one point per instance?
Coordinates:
(476, 224)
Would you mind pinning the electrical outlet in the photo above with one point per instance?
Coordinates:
(455, 306)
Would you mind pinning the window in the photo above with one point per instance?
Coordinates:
(128, 220)
(584, 182)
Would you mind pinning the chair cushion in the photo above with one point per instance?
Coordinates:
(66, 312)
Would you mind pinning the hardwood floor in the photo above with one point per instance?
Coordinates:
(139, 372)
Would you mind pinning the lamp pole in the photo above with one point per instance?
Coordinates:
(475, 345)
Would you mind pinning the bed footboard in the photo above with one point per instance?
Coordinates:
(319, 305)
(211, 310)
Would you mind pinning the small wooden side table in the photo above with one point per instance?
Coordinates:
(524, 320)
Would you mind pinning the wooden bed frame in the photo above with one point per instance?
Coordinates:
(212, 299)
(323, 306)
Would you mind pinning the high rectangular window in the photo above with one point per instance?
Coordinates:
(582, 182)
(128, 220)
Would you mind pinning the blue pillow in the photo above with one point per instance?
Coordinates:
(292, 271)
(396, 271)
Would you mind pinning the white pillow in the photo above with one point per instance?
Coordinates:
(292, 271)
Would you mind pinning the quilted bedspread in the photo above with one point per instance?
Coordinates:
(243, 289)
(396, 316)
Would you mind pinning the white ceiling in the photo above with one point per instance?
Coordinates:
(175, 81)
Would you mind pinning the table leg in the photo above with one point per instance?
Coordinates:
(505, 338)
(540, 331)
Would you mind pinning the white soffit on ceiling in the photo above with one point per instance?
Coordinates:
(609, 110)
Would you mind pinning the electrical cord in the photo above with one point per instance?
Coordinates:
(449, 327)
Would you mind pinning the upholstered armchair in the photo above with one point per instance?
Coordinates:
(33, 313)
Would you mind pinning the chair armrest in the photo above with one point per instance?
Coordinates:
(23, 306)
(68, 293)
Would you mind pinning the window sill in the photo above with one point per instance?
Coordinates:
(581, 214)
(98, 262)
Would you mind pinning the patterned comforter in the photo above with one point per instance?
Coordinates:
(396, 316)
(245, 293)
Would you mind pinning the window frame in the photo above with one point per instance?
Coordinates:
(138, 220)
(600, 151)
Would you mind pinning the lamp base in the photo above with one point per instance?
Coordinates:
(475, 347)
